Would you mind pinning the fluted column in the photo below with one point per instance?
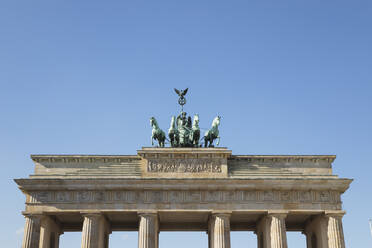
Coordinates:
(316, 232)
(148, 233)
(95, 229)
(210, 232)
(325, 230)
(219, 232)
(31, 234)
(49, 233)
(335, 231)
(278, 231)
(271, 231)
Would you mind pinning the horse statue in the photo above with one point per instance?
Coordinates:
(173, 133)
(157, 133)
(212, 133)
(195, 132)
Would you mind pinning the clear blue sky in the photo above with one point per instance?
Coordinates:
(287, 77)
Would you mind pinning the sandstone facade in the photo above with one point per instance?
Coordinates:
(205, 189)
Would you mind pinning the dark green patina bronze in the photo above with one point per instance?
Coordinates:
(184, 131)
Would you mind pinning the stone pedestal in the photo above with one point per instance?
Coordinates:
(271, 231)
(219, 230)
(31, 235)
(148, 231)
(95, 231)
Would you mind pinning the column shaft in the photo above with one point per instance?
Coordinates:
(316, 232)
(271, 231)
(49, 233)
(278, 232)
(31, 235)
(220, 231)
(148, 233)
(95, 228)
(335, 232)
(210, 232)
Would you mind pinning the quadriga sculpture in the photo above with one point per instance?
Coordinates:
(157, 133)
(212, 133)
(173, 133)
(195, 132)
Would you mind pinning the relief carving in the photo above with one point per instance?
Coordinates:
(99, 196)
(63, 196)
(83, 196)
(213, 196)
(324, 196)
(285, 196)
(250, 195)
(193, 196)
(154, 197)
(184, 165)
(175, 196)
(40, 196)
(305, 196)
(183, 196)
(268, 196)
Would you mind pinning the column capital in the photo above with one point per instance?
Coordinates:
(91, 214)
(277, 214)
(33, 215)
(339, 214)
(147, 213)
(221, 213)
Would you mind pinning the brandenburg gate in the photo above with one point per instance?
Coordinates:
(185, 187)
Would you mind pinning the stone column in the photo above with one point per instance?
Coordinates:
(148, 231)
(271, 231)
(325, 231)
(335, 231)
(31, 234)
(210, 232)
(219, 230)
(49, 233)
(316, 232)
(95, 231)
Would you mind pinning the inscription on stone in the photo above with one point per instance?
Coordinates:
(184, 165)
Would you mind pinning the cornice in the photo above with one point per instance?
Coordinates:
(124, 158)
(83, 158)
(284, 158)
(337, 184)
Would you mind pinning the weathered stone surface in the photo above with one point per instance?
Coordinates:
(272, 229)
(95, 231)
(31, 234)
(148, 232)
(220, 230)
(335, 230)
(49, 233)
(204, 189)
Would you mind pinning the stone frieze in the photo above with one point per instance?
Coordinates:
(184, 165)
(184, 197)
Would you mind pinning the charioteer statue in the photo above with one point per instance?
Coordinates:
(183, 131)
